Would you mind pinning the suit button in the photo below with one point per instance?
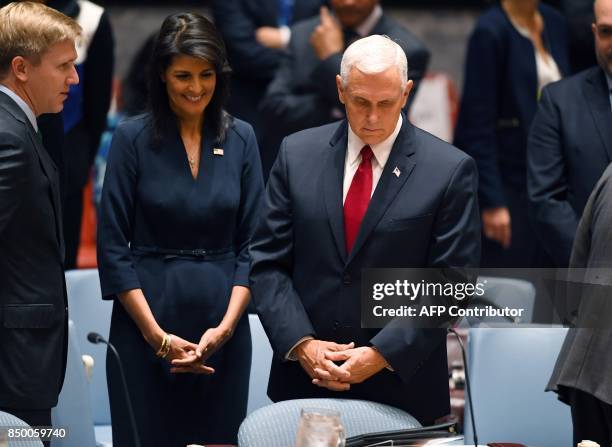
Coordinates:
(336, 324)
(346, 279)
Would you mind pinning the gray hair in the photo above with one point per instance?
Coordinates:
(374, 54)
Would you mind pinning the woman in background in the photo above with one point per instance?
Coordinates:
(177, 212)
(516, 48)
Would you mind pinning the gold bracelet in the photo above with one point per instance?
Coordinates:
(165, 346)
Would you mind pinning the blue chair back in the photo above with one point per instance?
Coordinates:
(91, 314)
(509, 370)
(261, 359)
(73, 410)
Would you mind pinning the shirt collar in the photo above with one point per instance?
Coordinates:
(367, 26)
(381, 150)
(22, 105)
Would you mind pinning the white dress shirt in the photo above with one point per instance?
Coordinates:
(351, 163)
(353, 157)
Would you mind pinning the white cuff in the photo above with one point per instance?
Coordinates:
(290, 355)
(285, 35)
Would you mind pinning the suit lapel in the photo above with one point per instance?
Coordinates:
(50, 171)
(596, 93)
(46, 163)
(333, 175)
(389, 184)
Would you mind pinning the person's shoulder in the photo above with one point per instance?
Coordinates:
(551, 15)
(438, 150)
(567, 88)
(311, 142)
(241, 129)
(135, 127)
(492, 21)
(324, 132)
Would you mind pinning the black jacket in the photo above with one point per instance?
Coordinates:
(33, 306)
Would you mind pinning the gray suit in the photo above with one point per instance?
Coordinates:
(585, 360)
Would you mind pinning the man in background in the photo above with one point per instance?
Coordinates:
(570, 145)
(303, 93)
(256, 33)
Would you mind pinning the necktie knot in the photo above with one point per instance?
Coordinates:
(366, 153)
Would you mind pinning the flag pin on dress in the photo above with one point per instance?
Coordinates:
(218, 151)
(397, 172)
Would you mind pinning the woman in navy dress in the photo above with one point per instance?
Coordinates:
(516, 48)
(177, 212)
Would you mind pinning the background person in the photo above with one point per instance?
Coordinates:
(303, 92)
(256, 33)
(516, 48)
(570, 145)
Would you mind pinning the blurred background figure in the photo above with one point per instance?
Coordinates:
(85, 111)
(303, 93)
(178, 208)
(256, 33)
(133, 94)
(579, 15)
(570, 144)
(516, 48)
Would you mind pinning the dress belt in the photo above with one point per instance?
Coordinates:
(201, 254)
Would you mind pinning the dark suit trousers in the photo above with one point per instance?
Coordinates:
(591, 417)
(34, 418)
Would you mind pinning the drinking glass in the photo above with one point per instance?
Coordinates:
(320, 427)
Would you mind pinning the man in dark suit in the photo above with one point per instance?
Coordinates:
(256, 33)
(369, 192)
(35, 76)
(570, 145)
(303, 92)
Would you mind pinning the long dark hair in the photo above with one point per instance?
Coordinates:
(188, 34)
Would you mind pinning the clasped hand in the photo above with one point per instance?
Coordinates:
(192, 360)
(317, 357)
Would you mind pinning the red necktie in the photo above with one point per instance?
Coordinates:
(358, 198)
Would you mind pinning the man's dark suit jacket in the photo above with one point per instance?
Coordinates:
(570, 145)
(253, 64)
(304, 283)
(33, 312)
(303, 93)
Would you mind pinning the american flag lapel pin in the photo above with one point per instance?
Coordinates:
(218, 151)
(397, 172)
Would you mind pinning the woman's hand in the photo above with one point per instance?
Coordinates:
(210, 342)
(185, 351)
